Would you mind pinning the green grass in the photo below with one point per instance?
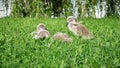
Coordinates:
(19, 50)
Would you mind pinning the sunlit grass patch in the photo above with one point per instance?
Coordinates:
(18, 49)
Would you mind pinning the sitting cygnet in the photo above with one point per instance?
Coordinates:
(78, 29)
(41, 32)
(62, 36)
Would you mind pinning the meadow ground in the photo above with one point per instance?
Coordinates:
(19, 50)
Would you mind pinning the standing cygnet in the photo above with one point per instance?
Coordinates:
(41, 32)
(78, 28)
(62, 36)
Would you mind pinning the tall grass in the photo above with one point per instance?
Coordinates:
(19, 50)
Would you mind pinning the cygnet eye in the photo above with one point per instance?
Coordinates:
(75, 24)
